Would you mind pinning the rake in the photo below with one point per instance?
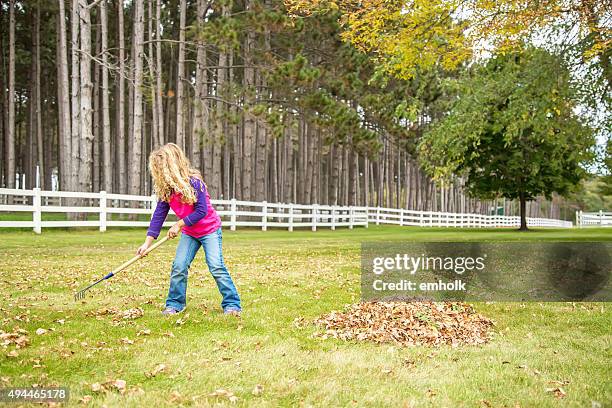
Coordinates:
(81, 294)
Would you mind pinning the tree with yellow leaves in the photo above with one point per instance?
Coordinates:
(406, 35)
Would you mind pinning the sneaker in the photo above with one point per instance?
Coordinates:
(170, 311)
(232, 311)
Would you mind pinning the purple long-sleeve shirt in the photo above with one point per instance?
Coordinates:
(200, 209)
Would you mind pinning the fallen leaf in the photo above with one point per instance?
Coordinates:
(126, 340)
(12, 354)
(96, 387)
(557, 391)
(181, 321)
(130, 314)
(143, 332)
(258, 390)
(175, 397)
(103, 312)
(120, 385)
(220, 392)
(86, 399)
(160, 368)
(225, 394)
(41, 331)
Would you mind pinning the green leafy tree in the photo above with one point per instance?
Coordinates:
(513, 131)
(606, 180)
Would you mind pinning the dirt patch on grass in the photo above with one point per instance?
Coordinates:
(408, 323)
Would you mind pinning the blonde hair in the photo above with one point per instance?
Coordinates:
(171, 172)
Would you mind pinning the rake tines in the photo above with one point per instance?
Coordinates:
(81, 294)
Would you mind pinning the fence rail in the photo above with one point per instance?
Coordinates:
(234, 213)
(594, 219)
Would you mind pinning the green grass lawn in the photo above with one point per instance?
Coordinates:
(281, 276)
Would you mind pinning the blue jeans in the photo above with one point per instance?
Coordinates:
(185, 252)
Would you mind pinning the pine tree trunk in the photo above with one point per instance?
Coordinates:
(249, 122)
(308, 163)
(37, 103)
(236, 183)
(154, 95)
(135, 165)
(274, 177)
(217, 145)
(228, 130)
(3, 109)
(106, 126)
(64, 104)
(353, 177)
(130, 102)
(261, 153)
(366, 182)
(75, 99)
(336, 158)
(289, 169)
(201, 83)
(180, 93)
(121, 157)
(97, 154)
(31, 106)
(86, 130)
(10, 139)
(158, 76)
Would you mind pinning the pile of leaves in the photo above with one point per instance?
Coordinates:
(408, 323)
(18, 337)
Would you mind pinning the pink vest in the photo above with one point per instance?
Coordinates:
(210, 223)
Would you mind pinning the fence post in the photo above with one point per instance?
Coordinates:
(351, 218)
(314, 217)
(290, 217)
(102, 211)
(401, 217)
(377, 215)
(233, 214)
(332, 215)
(264, 217)
(36, 214)
(601, 218)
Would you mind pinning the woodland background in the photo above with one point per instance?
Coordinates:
(269, 105)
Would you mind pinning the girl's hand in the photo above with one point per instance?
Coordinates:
(142, 250)
(175, 230)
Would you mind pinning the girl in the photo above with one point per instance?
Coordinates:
(180, 187)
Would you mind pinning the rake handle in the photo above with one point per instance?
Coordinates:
(137, 257)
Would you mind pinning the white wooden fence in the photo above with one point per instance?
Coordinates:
(594, 219)
(234, 213)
